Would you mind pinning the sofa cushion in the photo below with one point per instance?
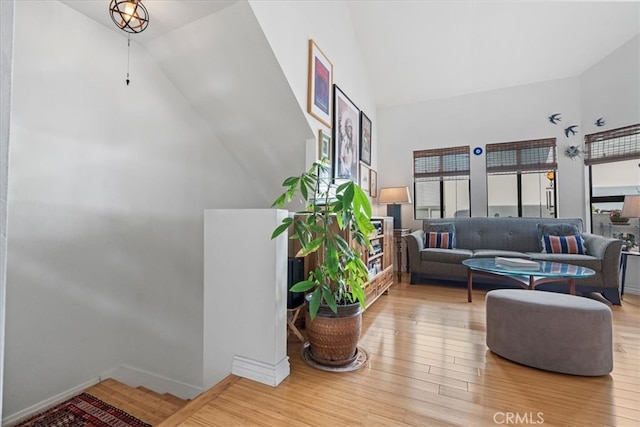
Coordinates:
(563, 244)
(561, 229)
(437, 239)
(491, 253)
(451, 256)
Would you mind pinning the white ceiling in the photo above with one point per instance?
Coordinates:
(164, 16)
(418, 50)
(421, 50)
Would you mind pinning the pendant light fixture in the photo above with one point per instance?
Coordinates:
(130, 16)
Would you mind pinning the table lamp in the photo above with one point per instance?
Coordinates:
(631, 206)
(394, 197)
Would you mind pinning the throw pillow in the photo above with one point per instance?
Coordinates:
(562, 229)
(440, 227)
(439, 240)
(563, 244)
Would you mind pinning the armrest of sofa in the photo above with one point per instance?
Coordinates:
(598, 246)
(415, 243)
(418, 240)
(608, 250)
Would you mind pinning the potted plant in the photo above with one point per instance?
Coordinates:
(333, 216)
(617, 218)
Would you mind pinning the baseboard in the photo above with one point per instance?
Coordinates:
(259, 371)
(631, 290)
(136, 377)
(47, 403)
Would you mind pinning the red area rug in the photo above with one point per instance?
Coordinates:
(83, 410)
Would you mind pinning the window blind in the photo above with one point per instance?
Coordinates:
(427, 194)
(612, 145)
(442, 163)
(531, 156)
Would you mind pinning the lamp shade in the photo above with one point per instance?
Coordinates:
(631, 207)
(394, 195)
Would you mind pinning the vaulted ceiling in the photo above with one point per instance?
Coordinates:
(418, 50)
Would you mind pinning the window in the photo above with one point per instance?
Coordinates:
(521, 178)
(613, 158)
(441, 183)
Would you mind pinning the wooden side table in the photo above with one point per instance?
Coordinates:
(398, 235)
(623, 267)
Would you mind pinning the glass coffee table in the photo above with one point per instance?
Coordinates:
(528, 278)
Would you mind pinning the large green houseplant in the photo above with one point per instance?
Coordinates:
(330, 213)
(333, 215)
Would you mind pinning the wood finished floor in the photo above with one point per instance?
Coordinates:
(429, 366)
(144, 404)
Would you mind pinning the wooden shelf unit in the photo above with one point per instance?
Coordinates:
(381, 275)
(380, 278)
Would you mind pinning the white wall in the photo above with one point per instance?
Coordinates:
(289, 25)
(611, 90)
(223, 65)
(6, 60)
(511, 114)
(106, 198)
(245, 296)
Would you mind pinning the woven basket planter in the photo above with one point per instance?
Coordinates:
(333, 338)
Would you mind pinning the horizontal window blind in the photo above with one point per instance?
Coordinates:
(612, 145)
(441, 164)
(537, 155)
(427, 194)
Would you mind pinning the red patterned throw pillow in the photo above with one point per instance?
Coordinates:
(563, 244)
(441, 240)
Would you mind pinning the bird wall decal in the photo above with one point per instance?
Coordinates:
(572, 151)
(599, 122)
(555, 118)
(570, 130)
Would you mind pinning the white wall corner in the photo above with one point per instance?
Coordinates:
(261, 372)
(311, 152)
(245, 296)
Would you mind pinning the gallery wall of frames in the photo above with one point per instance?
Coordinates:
(348, 146)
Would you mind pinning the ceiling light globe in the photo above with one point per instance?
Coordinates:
(129, 15)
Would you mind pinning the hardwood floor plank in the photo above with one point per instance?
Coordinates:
(420, 420)
(135, 402)
(193, 406)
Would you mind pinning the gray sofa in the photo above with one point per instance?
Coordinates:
(512, 237)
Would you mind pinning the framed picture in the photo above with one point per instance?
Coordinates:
(346, 140)
(319, 102)
(325, 151)
(373, 183)
(324, 146)
(364, 178)
(365, 139)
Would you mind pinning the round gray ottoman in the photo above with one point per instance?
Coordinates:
(550, 331)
